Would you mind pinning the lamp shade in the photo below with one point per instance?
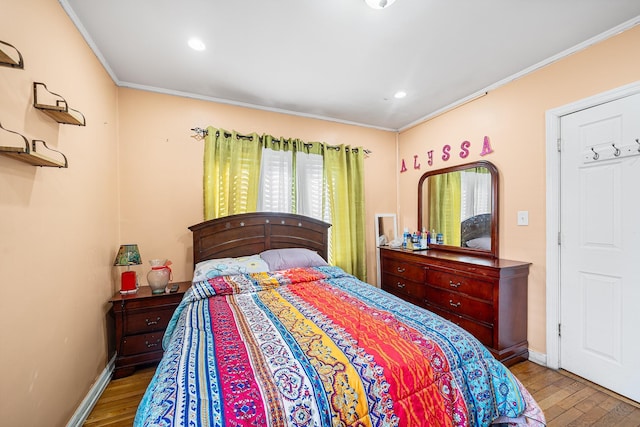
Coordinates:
(128, 255)
(379, 4)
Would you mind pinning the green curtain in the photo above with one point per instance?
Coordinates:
(344, 174)
(231, 173)
(232, 178)
(444, 207)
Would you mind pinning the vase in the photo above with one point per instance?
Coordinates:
(159, 275)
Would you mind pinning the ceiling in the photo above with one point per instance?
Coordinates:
(339, 59)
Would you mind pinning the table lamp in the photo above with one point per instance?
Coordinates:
(128, 255)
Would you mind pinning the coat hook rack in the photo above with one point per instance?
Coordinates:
(611, 151)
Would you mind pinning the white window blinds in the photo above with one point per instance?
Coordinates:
(310, 185)
(276, 181)
(280, 192)
(476, 194)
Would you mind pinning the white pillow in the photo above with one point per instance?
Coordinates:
(480, 243)
(211, 268)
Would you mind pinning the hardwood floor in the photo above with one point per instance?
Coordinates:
(119, 401)
(566, 400)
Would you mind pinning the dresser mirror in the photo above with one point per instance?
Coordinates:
(460, 204)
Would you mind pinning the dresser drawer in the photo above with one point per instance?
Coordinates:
(485, 296)
(405, 270)
(144, 343)
(484, 333)
(141, 321)
(460, 304)
(402, 287)
(462, 284)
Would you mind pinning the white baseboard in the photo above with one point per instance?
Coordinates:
(539, 358)
(90, 400)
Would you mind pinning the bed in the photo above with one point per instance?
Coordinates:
(269, 335)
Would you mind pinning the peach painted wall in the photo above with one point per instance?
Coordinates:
(135, 176)
(513, 117)
(161, 168)
(58, 227)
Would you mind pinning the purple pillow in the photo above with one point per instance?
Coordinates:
(281, 259)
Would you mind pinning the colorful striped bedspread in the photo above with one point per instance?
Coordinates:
(318, 347)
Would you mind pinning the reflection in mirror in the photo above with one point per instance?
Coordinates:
(386, 231)
(458, 206)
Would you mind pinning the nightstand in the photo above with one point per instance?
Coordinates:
(140, 322)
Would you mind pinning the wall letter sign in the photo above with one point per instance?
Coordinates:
(446, 153)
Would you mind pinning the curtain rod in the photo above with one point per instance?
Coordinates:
(204, 132)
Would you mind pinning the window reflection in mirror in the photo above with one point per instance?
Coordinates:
(459, 204)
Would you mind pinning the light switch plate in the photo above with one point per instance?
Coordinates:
(523, 217)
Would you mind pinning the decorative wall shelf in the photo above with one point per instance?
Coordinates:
(28, 153)
(10, 56)
(60, 111)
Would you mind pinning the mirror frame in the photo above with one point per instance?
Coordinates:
(493, 252)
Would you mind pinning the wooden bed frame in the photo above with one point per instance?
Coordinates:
(252, 233)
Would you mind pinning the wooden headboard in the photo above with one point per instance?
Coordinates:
(252, 233)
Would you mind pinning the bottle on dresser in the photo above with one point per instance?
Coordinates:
(406, 238)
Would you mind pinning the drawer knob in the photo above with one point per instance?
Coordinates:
(401, 285)
(151, 344)
(454, 285)
(401, 269)
(454, 304)
(152, 322)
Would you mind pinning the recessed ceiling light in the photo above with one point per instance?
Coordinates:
(196, 44)
(400, 94)
(379, 4)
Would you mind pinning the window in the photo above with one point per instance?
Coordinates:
(313, 179)
(279, 192)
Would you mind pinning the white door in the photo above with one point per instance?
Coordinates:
(600, 245)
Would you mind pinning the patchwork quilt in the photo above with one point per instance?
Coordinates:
(317, 347)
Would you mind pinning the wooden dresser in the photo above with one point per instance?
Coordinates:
(485, 296)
